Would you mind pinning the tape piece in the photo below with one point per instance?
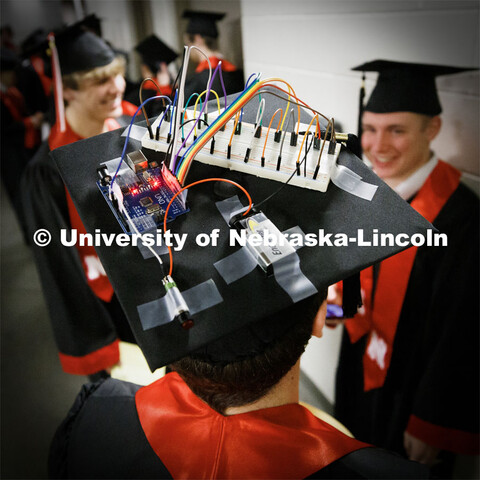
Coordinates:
(286, 272)
(299, 233)
(351, 182)
(161, 311)
(290, 277)
(230, 207)
(236, 265)
(137, 132)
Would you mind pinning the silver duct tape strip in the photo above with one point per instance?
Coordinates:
(230, 207)
(136, 133)
(290, 277)
(198, 298)
(287, 272)
(351, 182)
(236, 265)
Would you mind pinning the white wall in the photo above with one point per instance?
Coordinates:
(314, 44)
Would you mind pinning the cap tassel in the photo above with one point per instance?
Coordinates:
(360, 108)
(57, 84)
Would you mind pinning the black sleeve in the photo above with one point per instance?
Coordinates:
(58, 455)
(372, 463)
(81, 323)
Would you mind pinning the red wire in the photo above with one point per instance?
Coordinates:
(192, 185)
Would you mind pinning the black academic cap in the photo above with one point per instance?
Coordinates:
(33, 42)
(81, 50)
(93, 23)
(202, 23)
(406, 87)
(238, 293)
(8, 59)
(153, 51)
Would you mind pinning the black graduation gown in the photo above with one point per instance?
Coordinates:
(103, 437)
(86, 329)
(433, 378)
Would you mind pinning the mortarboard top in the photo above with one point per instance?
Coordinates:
(203, 23)
(251, 297)
(80, 50)
(8, 59)
(153, 51)
(406, 87)
(33, 42)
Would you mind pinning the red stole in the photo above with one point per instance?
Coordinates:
(94, 272)
(15, 103)
(39, 66)
(226, 65)
(193, 441)
(380, 320)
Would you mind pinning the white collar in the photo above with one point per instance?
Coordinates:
(409, 187)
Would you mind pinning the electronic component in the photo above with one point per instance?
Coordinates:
(177, 305)
(144, 195)
(136, 161)
(264, 240)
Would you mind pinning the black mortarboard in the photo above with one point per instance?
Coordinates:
(8, 59)
(33, 43)
(153, 51)
(203, 23)
(237, 293)
(80, 50)
(406, 87)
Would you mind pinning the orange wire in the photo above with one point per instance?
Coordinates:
(269, 126)
(192, 185)
(237, 116)
(305, 136)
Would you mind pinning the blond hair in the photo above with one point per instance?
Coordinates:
(96, 75)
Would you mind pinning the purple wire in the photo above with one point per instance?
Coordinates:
(198, 118)
(224, 91)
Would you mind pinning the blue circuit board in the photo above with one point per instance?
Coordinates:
(146, 195)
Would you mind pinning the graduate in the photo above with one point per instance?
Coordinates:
(155, 56)
(230, 407)
(202, 33)
(408, 373)
(86, 317)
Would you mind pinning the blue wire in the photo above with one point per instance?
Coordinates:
(246, 86)
(128, 136)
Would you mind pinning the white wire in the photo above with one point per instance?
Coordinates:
(141, 237)
(181, 93)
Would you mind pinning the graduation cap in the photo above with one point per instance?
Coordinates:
(202, 23)
(34, 42)
(8, 59)
(153, 51)
(225, 289)
(81, 50)
(406, 87)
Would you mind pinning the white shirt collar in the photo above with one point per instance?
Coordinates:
(409, 187)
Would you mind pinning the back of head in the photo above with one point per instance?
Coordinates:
(243, 366)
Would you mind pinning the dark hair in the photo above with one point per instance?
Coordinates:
(224, 384)
(210, 42)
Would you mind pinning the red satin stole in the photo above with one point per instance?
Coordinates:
(94, 272)
(195, 442)
(380, 320)
(226, 65)
(15, 103)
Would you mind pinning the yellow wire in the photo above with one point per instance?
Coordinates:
(234, 128)
(196, 103)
